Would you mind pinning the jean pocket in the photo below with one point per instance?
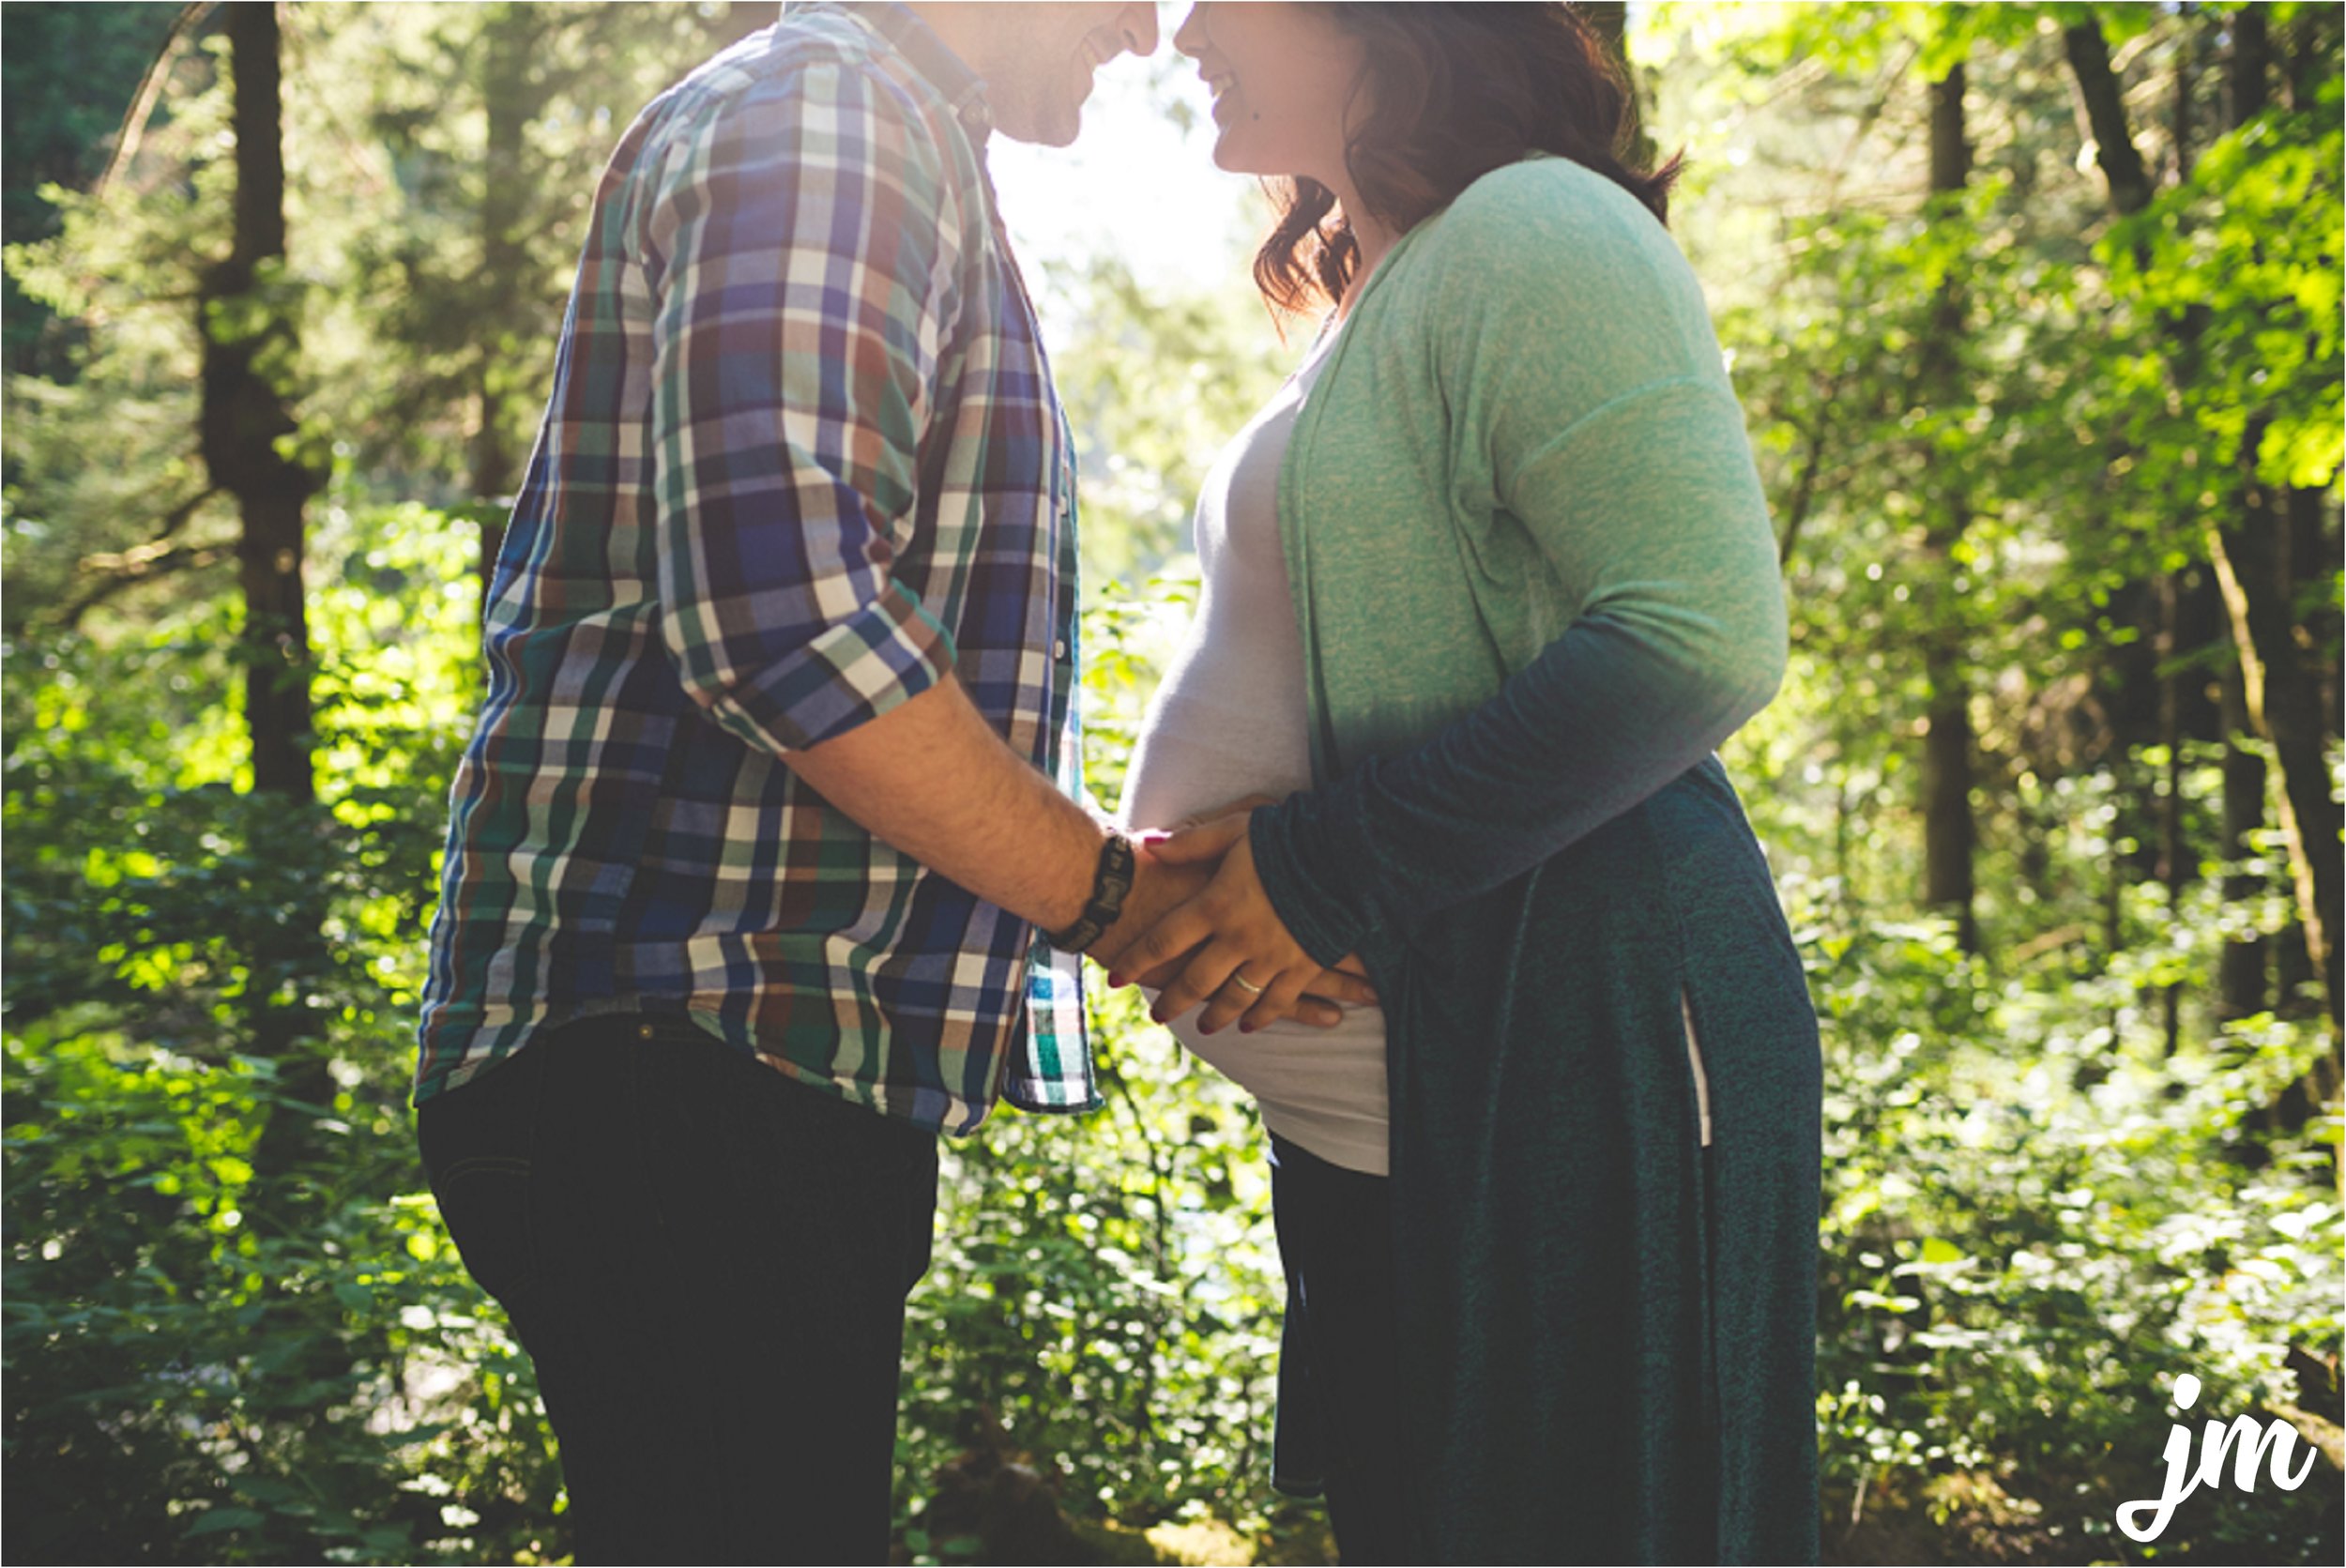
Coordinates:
(484, 1202)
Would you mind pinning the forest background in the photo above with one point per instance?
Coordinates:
(2036, 312)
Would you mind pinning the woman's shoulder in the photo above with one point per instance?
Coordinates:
(1546, 198)
(1548, 235)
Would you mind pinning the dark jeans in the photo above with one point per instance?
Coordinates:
(1335, 1242)
(707, 1263)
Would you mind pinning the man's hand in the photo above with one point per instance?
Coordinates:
(1159, 888)
(1228, 948)
(932, 779)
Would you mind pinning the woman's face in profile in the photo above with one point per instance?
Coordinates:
(1284, 80)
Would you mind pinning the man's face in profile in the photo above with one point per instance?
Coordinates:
(1040, 60)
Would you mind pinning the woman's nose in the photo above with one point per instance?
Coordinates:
(1190, 38)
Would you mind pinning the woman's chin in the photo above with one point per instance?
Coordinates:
(1234, 160)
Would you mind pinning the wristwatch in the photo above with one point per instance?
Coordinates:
(1110, 882)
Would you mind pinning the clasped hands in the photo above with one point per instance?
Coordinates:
(1200, 929)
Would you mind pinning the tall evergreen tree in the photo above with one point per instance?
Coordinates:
(1950, 833)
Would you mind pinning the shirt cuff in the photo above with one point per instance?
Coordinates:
(857, 669)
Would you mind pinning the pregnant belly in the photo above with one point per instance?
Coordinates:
(1299, 1069)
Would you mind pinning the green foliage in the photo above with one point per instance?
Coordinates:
(191, 1378)
(2030, 1232)
(1107, 1289)
(233, 1329)
(1153, 388)
(209, 1358)
(55, 125)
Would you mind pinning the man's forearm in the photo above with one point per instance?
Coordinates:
(933, 780)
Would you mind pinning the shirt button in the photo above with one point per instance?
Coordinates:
(1058, 647)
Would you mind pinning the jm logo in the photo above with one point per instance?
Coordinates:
(2215, 1440)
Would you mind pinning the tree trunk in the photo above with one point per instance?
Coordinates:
(248, 338)
(2247, 89)
(2219, 715)
(2284, 703)
(2242, 984)
(2313, 44)
(2138, 713)
(509, 37)
(1949, 833)
(2313, 558)
(2171, 856)
(2247, 550)
(249, 342)
(2106, 112)
(2175, 858)
(2251, 551)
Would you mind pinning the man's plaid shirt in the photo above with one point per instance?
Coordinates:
(802, 459)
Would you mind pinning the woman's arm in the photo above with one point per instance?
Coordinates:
(1646, 507)
(1684, 643)
(1652, 501)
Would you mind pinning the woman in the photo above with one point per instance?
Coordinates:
(1484, 587)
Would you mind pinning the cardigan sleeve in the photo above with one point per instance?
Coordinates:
(1647, 507)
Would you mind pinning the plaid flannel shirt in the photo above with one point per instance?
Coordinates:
(803, 458)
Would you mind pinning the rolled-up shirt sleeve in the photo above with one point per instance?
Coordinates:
(800, 250)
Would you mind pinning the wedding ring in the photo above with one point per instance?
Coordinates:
(1238, 978)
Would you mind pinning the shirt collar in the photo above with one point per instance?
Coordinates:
(963, 89)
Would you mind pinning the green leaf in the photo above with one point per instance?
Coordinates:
(214, 1521)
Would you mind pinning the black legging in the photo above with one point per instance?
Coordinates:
(1335, 1241)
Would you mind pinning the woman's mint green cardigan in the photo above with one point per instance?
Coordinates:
(1537, 584)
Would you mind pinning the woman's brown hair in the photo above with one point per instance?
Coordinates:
(1459, 90)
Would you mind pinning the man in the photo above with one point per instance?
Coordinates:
(776, 780)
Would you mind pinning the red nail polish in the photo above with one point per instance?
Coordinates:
(1116, 982)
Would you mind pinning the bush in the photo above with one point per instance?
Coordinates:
(2030, 1231)
(233, 1330)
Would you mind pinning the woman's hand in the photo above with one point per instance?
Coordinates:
(1248, 968)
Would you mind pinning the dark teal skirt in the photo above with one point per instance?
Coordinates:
(1607, 1329)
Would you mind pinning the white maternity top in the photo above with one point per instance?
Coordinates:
(1229, 722)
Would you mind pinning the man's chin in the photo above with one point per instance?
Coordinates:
(1054, 126)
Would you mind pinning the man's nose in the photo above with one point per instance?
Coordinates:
(1139, 26)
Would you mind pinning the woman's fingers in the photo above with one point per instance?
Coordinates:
(1346, 989)
(1319, 1000)
(1311, 1011)
(1250, 966)
(1205, 974)
(1279, 999)
(1251, 984)
(1208, 840)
